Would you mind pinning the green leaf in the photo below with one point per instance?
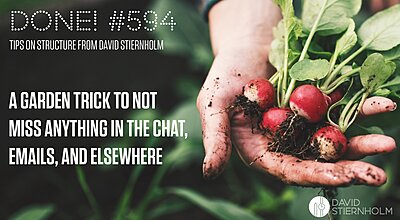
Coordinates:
(335, 18)
(372, 129)
(286, 32)
(347, 41)
(382, 31)
(309, 70)
(394, 82)
(286, 7)
(393, 54)
(277, 54)
(346, 69)
(389, 89)
(395, 94)
(382, 92)
(220, 209)
(375, 71)
(35, 212)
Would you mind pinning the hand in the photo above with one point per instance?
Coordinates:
(240, 34)
(229, 72)
(378, 5)
(312, 173)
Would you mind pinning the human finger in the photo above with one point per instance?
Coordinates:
(366, 145)
(377, 104)
(312, 173)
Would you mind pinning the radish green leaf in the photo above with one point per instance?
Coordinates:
(375, 71)
(283, 48)
(335, 18)
(347, 41)
(382, 31)
(309, 70)
(393, 54)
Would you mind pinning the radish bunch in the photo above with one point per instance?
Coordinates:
(308, 105)
(318, 88)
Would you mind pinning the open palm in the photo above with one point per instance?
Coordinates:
(221, 128)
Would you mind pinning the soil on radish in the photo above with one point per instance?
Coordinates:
(250, 109)
(293, 137)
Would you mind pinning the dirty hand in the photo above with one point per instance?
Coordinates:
(241, 34)
(222, 129)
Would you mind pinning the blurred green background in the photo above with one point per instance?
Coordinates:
(175, 190)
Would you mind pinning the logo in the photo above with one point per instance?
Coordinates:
(319, 206)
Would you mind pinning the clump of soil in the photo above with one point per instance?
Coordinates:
(293, 137)
(250, 108)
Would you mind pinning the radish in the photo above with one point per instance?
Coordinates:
(308, 101)
(330, 142)
(273, 118)
(260, 91)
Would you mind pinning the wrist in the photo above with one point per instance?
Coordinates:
(244, 51)
(242, 25)
(241, 63)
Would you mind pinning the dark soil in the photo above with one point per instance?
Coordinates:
(293, 137)
(250, 110)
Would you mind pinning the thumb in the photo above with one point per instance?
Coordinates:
(216, 135)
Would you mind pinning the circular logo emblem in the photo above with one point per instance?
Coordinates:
(319, 206)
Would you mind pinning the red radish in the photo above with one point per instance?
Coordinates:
(273, 118)
(335, 96)
(260, 91)
(331, 142)
(308, 101)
